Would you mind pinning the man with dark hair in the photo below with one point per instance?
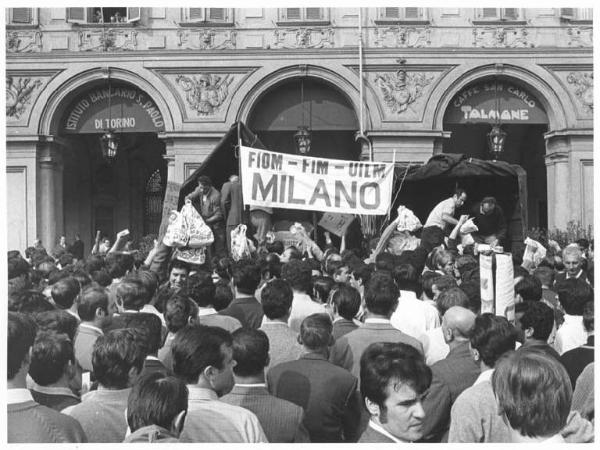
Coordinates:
(474, 417)
(64, 292)
(149, 332)
(384, 262)
(534, 395)
(545, 275)
(577, 359)
(451, 375)
(244, 307)
(489, 218)
(179, 312)
(326, 392)
(442, 283)
(535, 326)
(573, 294)
(76, 248)
(178, 273)
(201, 289)
(203, 359)
(321, 288)
(277, 303)
(442, 215)
(27, 420)
(92, 308)
(298, 275)
(55, 371)
(29, 302)
(281, 420)
(132, 296)
(156, 409)
(345, 303)
(57, 321)
(381, 298)
(393, 380)
(528, 289)
(359, 277)
(412, 316)
(117, 360)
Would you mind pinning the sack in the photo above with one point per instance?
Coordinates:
(406, 220)
(239, 243)
(199, 233)
(176, 234)
(402, 241)
(191, 255)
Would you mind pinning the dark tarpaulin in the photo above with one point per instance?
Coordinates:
(222, 161)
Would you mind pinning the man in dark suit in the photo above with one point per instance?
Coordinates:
(345, 302)
(572, 258)
(326, 392)
(451, 375)
(490, 221)
(381, 298)
(393, 379)
(245, 307)
(281, 420)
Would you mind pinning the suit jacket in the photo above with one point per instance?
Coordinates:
(245, 309)
(283, 343)
(231, 203)
(84, 344)
(450, 377)
(371, 436)
(326, 392)
(577, 359)
(154, 365)
(562, 276)
(346, 352)
(281, 420)
(342, 327)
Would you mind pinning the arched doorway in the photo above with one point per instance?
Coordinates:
(473, 111)
(104, 195)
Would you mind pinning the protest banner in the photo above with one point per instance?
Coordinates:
(336, 223)
(279, 180)
(486, 277)
(505, 291)
(169, 204)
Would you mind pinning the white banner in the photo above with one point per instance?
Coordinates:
(486, 279)
(505, 287)
(279, 180)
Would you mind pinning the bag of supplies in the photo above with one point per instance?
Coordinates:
(199, 233)
(239, 243)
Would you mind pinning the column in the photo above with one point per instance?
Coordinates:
(557, 172)
(50, 202)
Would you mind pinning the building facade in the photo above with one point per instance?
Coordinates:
(171, 81)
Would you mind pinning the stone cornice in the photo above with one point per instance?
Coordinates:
(578, 132)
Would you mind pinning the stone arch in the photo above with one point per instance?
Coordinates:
(61, 94)
(545, 89)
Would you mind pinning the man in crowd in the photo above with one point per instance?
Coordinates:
(64, 292)
(345, 303)
(298, 275)
(117, 360)
(442, 214)
(244, 307)
(92, 308)
(577, 359)
(572, 258)
(326, 392)
(573, 294)
(536, 327)
(281, 420)
(156, 409)
(232, 206)
(260, 218)
(27, 420)
(393, 380)
(203, 359)
(277, 303)
(178, 272)
(490, 221)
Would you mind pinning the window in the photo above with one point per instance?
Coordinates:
(576, 14)
(207, 16)
(21, 16)
(103, 15)
(307, 16)
(397, 15)
(499, 14)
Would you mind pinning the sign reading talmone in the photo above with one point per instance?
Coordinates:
(299, 182)
(131, 111)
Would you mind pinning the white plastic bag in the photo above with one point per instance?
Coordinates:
(239, 243)
(199, 234)
(176, 234)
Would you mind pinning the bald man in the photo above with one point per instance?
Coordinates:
(451, 375)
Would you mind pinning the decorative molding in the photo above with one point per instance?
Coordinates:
(402, 37)
(105, 40)
(501, 37)
(206, 39)
(18, 95)
(190, 168)
(23, 41)
(304, 38)
(580, 37)
(401, 89)
(582, 84)
(206, 92)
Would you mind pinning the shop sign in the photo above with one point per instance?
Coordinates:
(492, 102)
(131, 111)
(278, 180)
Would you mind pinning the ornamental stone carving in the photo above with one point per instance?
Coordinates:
(402, 37)
(580, 36)
(304, 38)
(207, 39)
(400, 90)
(501, 37)
(582, 84)
(18, 95)
(104, 40)
(23, 41)
(205, 93)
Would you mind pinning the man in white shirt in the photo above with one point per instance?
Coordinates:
(443, 213)
(298, 275)
(573, 294)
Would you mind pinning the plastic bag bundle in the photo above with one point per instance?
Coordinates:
(199, 233)
(406, 220)
(239, 243)
(176, 234)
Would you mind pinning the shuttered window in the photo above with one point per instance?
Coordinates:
(302, 14)
(196, 14)
(217, 14)
(499, 13)
(98, 14)
(567, 12)
(21, 15)
(207, 15)
(314, 14)
(412, 13)
(401, 14)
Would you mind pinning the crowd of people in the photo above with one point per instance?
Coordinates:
(285, 347)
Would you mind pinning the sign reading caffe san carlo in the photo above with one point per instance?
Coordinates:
(491, 102)
(130, 110)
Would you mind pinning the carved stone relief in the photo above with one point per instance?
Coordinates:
(501, 37)
(402, 37)
(204, 94)
(304, 38)
(23, 41)
(19, 92)
(207, 39)
(580, 36)
(111, 39)
(582, 85)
